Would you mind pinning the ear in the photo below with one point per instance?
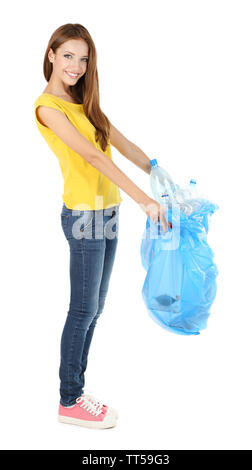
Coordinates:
(51, 55)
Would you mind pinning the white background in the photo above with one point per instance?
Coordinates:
(175, 79)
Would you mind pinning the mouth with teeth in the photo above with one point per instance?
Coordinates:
(72, 75)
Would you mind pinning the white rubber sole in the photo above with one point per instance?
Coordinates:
(115, 412)
(108, 422)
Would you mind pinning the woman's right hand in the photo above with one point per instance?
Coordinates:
(156, 212)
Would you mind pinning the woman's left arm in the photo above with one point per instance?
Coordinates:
(129, 150)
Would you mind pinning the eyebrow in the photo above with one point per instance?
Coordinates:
(74, 54)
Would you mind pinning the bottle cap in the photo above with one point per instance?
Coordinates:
(153, 162)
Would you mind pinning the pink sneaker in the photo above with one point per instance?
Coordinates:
(88, 413)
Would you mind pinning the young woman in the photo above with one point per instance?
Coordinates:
(69, 117)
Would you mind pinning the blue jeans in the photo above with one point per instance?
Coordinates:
(92, 236)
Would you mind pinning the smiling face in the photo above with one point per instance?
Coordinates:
(69, 62)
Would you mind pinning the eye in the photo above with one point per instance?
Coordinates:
(68, 55)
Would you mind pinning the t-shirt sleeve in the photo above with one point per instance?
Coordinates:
(45, 100)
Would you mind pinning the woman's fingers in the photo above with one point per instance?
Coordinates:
(164, 221)
(156, 212)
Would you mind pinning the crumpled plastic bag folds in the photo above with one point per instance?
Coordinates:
(180, 284)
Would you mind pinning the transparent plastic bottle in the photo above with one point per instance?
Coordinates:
(179, 194)
(185, 198)
(191, 190)
(161, 183)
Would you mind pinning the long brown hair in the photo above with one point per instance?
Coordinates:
(86, 90)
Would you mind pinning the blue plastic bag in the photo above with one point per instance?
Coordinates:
(180, 284)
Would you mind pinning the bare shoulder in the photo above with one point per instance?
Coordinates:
(50, 117)
(59, 123)
(43, 113)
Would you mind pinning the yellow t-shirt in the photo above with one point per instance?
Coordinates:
(85, 187)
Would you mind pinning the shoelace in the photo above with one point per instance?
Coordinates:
(90, 396)
(91, 406)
